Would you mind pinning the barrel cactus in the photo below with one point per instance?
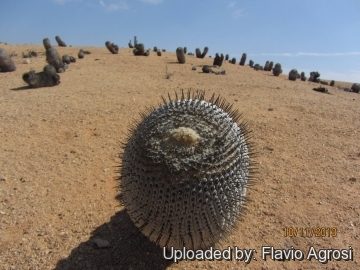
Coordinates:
(158, 53)
(233, 60)
(293, 74)
(302, 76)
(6, 63)
(257, 67)
(277, 69)
(46, 78)
(81, 54)
(226, 57)
(206, 49)
(218, 60)
(53, 57)
(66, 59)
(243, 59)
(251, 63)
(332, 83)
(185, 50)
(60, 42)
(355, 87)
(185, 171)
(180, 55)
(155, 49)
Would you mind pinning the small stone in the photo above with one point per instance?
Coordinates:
(26, 61)
(270, 109)
(193, 68)
(101, 243)
(352, 179)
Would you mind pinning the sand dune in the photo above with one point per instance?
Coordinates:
(60, 147)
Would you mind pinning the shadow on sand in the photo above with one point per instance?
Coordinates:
(128, 249)
(26, 87)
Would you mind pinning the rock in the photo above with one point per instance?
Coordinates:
(101, 243)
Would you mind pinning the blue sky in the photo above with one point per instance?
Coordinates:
(309, 35)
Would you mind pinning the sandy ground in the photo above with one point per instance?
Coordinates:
(60, 147)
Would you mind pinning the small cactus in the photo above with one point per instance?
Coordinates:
(66, 59)
(332, 83)
(314, 76)
(60, 42)
(53, 57)
(251, 63)
(180, 55)
(158, 53)
(6, 63)
(155, 49)
(266, 67)
(233, 60)
(198, 53)
(206, 49)
(81, 54)
(181, 185)
(185, 50)
(243, 59)
(114, 49)
(293, 74)
(226, 57)
(277, 69)
(271, 64)
(130, 45)
(355, 87)
(302, 76)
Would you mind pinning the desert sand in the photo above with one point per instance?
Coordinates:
(60, 148)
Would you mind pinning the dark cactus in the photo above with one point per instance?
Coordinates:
(180, 55)
(271, 64)
(251, 63)
(266, 67)
(302, 76)
(53, 57)
(243, 59)
(277, 70)
(155, 49)
(114, 49)
(355, 87)
(46, 78)
(233, 60)
(158, 53)
(60, 42)
(81, 54)
(206, 49)
(6, 63)
(66, 59)
(130, 45)
(257, 67)
(293, 74)
(198, 53)
(218, 60)
(185, 50)
(332, 83)
(226, 57)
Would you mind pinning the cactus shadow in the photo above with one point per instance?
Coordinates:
(128, 249)
(26, 87)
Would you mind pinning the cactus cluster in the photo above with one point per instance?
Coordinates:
(140, 50)
(185, 171)
(251, 63)
(302, 76)
(53, 57)
(271, 64)
(60, 42)
(227, 57)
(113, 48)
(47, 77)
(218, 60)
(233, 60)
(266, 67)
(6, 63)
(314, 76)
(199, 54)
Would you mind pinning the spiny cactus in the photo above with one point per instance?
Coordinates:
(66, 59)
(293, 74)
(147, 53)
(6, 63)
(266, 67)
(302, 76)
(72, 59)
(332, 83)
(218, 60)
(355, 87)
(158, 53)
(314, 76)
(243, 59)
(180, 55)
(257, 67)
(60, 42)
(185, 171)
(251, 63)
(53, 57)
(81, 54)
(226, 57)
(185, 50)
(47, 77)
(155, 49)
(198, 53)
(233, 60)
(113, 48)
(277, 69)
